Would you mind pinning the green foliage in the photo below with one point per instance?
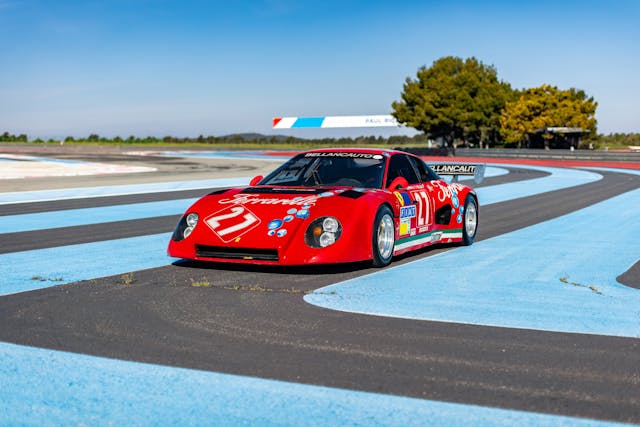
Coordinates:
(454, 99)
(240, 140)
(547, 106)
(7, 137)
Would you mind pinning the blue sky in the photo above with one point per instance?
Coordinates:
(184, 68)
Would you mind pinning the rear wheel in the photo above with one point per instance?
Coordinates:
(470, 222)
(384, 237)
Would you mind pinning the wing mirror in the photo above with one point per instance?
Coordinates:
(398, 183)
(255, 180)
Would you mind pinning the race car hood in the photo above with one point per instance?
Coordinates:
(266, 217)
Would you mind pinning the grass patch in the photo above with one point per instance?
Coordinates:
(592, 288)
(202, 283)
(258, 288)
(47, 279)
(127, 279)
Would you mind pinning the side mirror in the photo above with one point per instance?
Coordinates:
(255, 180)
(397, 183)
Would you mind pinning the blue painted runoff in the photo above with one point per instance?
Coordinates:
(105, 214)
(43, 387)
(117, 190)
(558, 179)
(559, 275)
(41, 268)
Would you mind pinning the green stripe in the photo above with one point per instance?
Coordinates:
(421, 236)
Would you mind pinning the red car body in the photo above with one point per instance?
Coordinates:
(377, 204)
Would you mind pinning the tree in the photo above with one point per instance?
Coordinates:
(547, 106)
(454, 99)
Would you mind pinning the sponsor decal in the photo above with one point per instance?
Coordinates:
(274, 224)
(408, 211)
(446, 191)
(404, 226)
(454, 169)
(399, 197)
(345, 154)
(232, 222)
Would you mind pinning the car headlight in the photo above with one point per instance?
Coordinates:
(323, 232)
(185, 226)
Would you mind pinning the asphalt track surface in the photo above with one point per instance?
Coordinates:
(252, 321)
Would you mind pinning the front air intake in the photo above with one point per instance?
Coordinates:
(204, 251)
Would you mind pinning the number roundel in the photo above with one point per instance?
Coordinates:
(232, 222)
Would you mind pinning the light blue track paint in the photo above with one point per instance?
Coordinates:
(37, 269)
(117, 190)
(627, 171)
(558, 179)
(73, 217)
(44, 387)
(559, 275)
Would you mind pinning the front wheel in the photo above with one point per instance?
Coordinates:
(470, 222)
(383, 237)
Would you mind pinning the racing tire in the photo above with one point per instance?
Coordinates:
(469, 221)
(383, 237)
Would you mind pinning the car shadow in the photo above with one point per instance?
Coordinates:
(315, 269)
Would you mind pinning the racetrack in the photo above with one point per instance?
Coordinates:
(254, 321)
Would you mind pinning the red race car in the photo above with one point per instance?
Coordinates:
(331, 206)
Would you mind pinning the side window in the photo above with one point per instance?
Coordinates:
(425, 173)
(400, 165)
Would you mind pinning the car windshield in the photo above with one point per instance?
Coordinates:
(329, 169)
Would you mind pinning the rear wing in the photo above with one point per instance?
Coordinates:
(458, 169)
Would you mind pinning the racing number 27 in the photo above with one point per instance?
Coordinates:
(422, 200)
(231, 222)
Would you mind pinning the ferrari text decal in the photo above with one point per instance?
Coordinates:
(232, 222)
(249, 199)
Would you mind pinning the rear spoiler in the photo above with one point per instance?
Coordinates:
(457, 169)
